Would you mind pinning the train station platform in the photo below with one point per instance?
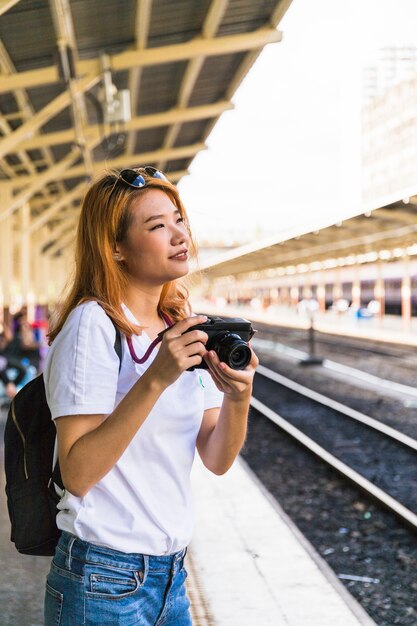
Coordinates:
(248, 564)
(389, 328)
(254, 565)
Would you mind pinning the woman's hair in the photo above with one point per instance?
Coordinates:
(104, 220)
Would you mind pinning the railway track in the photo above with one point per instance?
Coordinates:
(406, 393)
(380, 460)
(371, 355)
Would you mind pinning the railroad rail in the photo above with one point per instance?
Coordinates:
(390, 502)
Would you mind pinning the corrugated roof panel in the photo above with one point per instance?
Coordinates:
(159, 87)
(215, 77)
(41, 96)
(27, 32)
(12, 159)
(244, 16)
(103, 26)
(60, 151)
(150, 139)
(8, 104)
(177, 165)
(176, 22)
(191, 132)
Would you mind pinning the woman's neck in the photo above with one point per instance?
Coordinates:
(143, 304)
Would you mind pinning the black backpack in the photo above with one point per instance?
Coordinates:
(29, 440)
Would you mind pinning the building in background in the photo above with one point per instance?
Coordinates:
(392, 66)
(389, 126)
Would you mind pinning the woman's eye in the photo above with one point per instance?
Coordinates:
(157, 226)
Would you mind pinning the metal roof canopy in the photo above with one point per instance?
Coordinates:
(386, 227)
(182, 62)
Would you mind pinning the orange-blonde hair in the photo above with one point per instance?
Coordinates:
(104, 220)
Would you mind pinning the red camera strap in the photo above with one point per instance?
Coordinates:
(152, 346)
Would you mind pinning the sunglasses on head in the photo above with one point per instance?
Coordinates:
(135, 177)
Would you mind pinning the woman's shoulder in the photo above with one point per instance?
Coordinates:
(87, 316)
(89, 310)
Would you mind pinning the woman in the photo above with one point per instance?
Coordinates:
(127, 431)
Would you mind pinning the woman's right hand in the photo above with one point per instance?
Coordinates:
(179, 350)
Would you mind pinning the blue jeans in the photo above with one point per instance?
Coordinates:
(89, 584)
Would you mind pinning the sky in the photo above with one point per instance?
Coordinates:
(288, 154)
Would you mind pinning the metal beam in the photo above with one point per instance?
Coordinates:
(407, 217)
(137, 123)
(143, 19)
(43, 116)
(5, 5)
(229, 44)
(63, 240)
(54, 209)
(192, 72)
(67, 44)
(279, 12)
(26, 112)
(272, 256)
(39, 182)
(126, 160)
(69, 221)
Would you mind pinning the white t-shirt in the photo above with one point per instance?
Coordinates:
(144, 503)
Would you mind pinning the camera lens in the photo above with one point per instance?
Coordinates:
(231, 349)
(239, 357)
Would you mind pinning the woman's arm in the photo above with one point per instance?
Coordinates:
(89, 445)
(222, 432)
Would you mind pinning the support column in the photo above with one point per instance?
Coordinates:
(321, 296)
(356, 288)
(379, 292)
(337, 286)
(294, 294)
(24, 269)
(406, 294)
(40, 279)
(6, 259)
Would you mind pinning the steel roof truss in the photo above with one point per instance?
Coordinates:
(143, 18)
(216, 46)
(137, 123)
(66, 44)
(192, 72)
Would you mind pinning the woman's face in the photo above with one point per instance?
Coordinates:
(155, 249)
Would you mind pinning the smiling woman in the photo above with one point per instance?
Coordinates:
(127, 431)
(157, 230)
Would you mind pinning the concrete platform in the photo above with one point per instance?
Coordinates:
(254, 565)
(248, 563)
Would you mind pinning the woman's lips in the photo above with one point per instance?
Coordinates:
(181, 256)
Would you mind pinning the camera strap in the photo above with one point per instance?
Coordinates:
(152, 346)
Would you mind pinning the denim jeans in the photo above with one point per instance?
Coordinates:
(89, 584)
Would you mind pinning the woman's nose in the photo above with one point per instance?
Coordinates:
(179, 235)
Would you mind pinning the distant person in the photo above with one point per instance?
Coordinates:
(127, 438)
(23, 343)
(374, 307)
(341, 306)
(12, 373)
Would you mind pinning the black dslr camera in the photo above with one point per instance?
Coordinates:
(228, 337)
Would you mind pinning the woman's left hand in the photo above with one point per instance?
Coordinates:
(231, 382)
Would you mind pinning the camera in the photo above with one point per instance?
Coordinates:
(228, 337)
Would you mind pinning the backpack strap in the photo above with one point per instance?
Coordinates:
(118, 343)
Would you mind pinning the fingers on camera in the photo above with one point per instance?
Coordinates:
(196, 335)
